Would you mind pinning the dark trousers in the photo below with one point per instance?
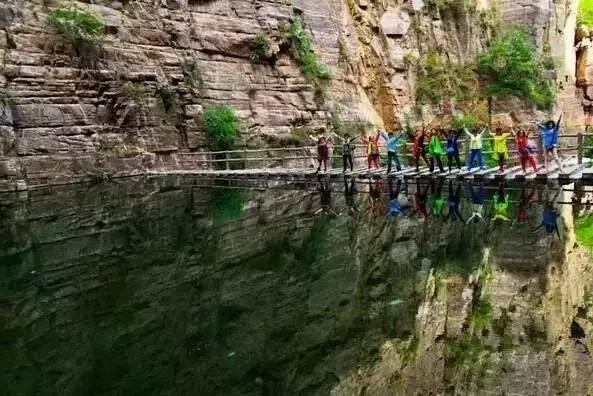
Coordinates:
(391, 157)
(501, 158)
(417, 158)
(436, 157)
(473, 154)
(451, 157)
(347, 161)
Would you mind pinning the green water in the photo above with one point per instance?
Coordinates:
(170, 287)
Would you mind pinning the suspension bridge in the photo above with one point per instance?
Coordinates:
(300, 163)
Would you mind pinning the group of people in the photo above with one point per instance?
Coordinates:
(432, 145)
(428, 201)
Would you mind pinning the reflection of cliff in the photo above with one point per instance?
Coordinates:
(135, 288)
(519, 323)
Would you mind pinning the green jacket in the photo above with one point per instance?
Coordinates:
(436, 202)
(435, 146)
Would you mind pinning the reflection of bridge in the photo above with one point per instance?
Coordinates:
(299, 163)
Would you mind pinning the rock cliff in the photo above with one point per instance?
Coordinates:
(64, 116)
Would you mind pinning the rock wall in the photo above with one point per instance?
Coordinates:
(70, 121)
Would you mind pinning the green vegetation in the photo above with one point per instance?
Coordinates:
(511, 67)
(585, 13)
(6, 99)
(470, 120)
(192, 76)
(80, 28)
(407, 348)
(481, 315)
(299, 41)
(137, 93)
(469, 353)
(259, 47)
(226, 204)
(584, 231)
(439, 80)
(168, 96)
(221, 125)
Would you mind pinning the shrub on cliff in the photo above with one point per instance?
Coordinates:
(221, 125)
(259, 47)
(299, 43)
(80, 28)
(585, 14)
(511, 67)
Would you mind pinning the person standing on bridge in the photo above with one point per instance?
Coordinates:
(372, 145)
(436, 150)
(549, 132)
(419, 148)
(453, 148)
(524, 149)
(500, 147)
(475, 147)
(348, 148)
(392, 140)
(323, 144)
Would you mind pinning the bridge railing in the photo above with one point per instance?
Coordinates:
(306, 156)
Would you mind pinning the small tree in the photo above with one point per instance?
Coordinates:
(511, 67)
(221, 125)
(80, 28)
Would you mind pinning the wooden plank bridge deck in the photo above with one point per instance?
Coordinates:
(572, 172)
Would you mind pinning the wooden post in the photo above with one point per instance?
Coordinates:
(245, 162)
(226, 161)
(580, 149)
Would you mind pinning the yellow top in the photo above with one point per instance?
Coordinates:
(500, 143)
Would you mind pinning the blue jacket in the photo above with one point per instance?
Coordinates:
(550, 135)
(393, 141)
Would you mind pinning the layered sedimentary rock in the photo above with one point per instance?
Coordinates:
(69, 120)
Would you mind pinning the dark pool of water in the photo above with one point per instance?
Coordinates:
(174, 287)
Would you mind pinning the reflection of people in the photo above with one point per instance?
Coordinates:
(420, 198)
(395, 208)
(524, 204)
(549, 132)
(501, 204)
(392, 140)
(477, 203)
(349, 195)
(453, 201)
(437, 202)
(550, 215)
(374, 204)
(324, 188)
